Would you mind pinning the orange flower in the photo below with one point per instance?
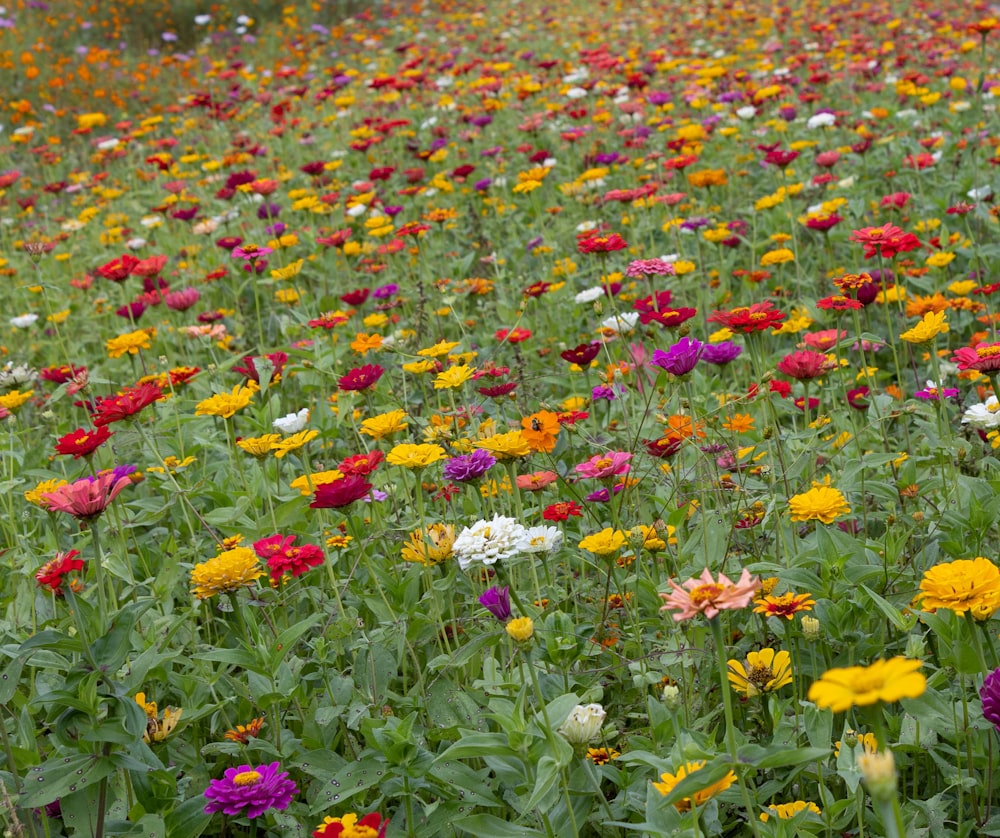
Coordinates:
(540, 430)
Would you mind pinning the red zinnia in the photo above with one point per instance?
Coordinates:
(748, 319)
(51, 574)
(361, 378)
(126, 404)
(341, 492)
(516, 335)
(601, 244)
(249, 368)
(804, 364)
(562, 510)
(117, 270)
(887, 240)
(373, 821)
(665, 446)
(838, 302)
(361, 464)
(581, 355)
(81, 442)
(668, 316)
(499, 391)
(281, 557)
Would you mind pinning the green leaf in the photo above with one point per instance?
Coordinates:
(10, 677)
(891, 613)
(487, 826)
(188, 819)
(61, 776)
(546, 777)
(478, 745)
(285, 641)
(352, 779)
(788, 757)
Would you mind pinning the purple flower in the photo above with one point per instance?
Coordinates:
(266, 211)
(497, 602)
(721, 353)
(385, 291)
(603, 391)
(680, 358)
(254, 789)
(989, 693)
(467, 467)
(482, 185)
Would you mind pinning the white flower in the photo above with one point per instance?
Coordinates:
(983, 416)
(489, 541)
(586, 226)
(821, 120)
(202, 20)
(292, 423)
(624, 322)
(136, 243)
(72, 225)
(746, 112)
(583, 724)
(588, 295)
(576, 93)
(543, 539)
(980, 192)
(356, 211)
(108, 144)
(23, 321)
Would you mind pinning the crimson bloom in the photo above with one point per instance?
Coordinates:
(126, 404)
(282, 557)
(361, 378)
(249, 367)
(342, 492)
(361, 464)
(52, 574)
(81, 442)
(984, 357)
(88, 497)
(601, 244)
(748, 319)
(118, 270)
(581, 355)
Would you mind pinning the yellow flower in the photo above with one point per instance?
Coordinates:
(930, 326)
(607, 542)
(225, 404)
(506, 446)
(385, 424)
(229, 571)
(442, 347)
(130, 343)
(258, 446)
(13, 400)
(307, 483)
(786, 811)
(453, 377)
(651, 539)
(939, 259)
(156, 729)
(421, 366)
(963, 585)
(670, 781)
(765, 671)
(860, 686)
(288, 271)
(820, 503)
(429, 546)
(777, 257)
(293, 443)
(413, 456)
(35, 495)
(521, 629)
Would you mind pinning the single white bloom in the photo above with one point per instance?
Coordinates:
(202, 20)
(821, 120)
(624, 322)
(583, 724)
(136, 243)
(746, 112)
(980, 192)
(576, 93)
(356, 211)
(543, 539)
(588, 295)
(983, 416)
(292, 423)
(23, 321)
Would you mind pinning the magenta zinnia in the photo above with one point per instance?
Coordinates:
(254, 790)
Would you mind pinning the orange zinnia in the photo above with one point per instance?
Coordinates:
(540, 430)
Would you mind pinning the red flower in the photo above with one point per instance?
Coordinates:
(336, 239)
(660, 300)
(249, 368)
(581, 355)
(341, 492)
(804, 364)
(361, 378)
(356, 297)
(668, 317)
(780, 158)
(824, 223)
(562, 510)
(281, 557)
(782, 388)
(117, 270)
(601, 244)
(516, 335)
(800, 403)
(748, 319)
(665, 446)
(838, 302)
(82, 443)
(372, 820)
(897, 200)
(126, 404)
(887, 240)
(149, 267)
(571, 417)
(361, 464)
(60, 375)
(499, 391)
(51, 574)
(858, 398)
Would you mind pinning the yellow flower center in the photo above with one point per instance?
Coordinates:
(706, 593)
(246, 778)
(604, 462)
(988, 351)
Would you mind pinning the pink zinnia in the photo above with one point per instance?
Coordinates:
(649, 267)
(282, 557)
(984, 358)
(706, 595)
(605, 465)
(88, 498)
(804, 364)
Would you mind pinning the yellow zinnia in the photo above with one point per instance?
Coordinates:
(963, 585)
(413, 456)
(13, 400)
(820, 503)
(225, 405)
(229, 571)
(786, 811)
(777, 257)
(670, 781)
(453, 377)
(307, 483)
(429, 546)
(860, 686)
(604, 543)
(385, 424)
(129, 343)
(506, 446)
(258, 446)
(293, 443)
(521, 629)
(932, 324)
(765, 671)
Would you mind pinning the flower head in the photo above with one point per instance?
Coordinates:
(508, 446)
(157, 728)
(350, 826)
(820, 503)
(361, 378)
(413, 456)
(52, 575)
(341, 492)
(607, 542)
(860, 686)
(81, 442)
(984, 357)
(250, 791)
(282, 557)
(489, 541)
(785, 605)
(605, 465)
(229, 571)
(680, 358)
(670, 781)
(583, 724)
(466, 467)
(385, 424)
(706, 595)
(497, 602)
(989, 694)
(431, 545)
(804, 364)
(762, 672)
(932, 324)
(787, 811)
(225, 405)
(88, 497)
(963, 585)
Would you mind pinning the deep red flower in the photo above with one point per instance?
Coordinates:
(581, 355)
(250, 371)
(858, 397)
(126, 404)
(824, 223)
(748, 319)
(341, 492)
(60, 375)
(336, 239)
(356, 297)
(499, 391)
(361, 378)
(562, 510)
(838, 302)
(117, 270)
(665, 446)
(82, 443)
(801, 401)
(361, 464)
(571, 417)
(782, 388)
(52, 574)
(651, 302)
(601, 244)
(780, 158)
(282, 557)
(373, 820)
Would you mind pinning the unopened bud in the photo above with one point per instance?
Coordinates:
(879, 771)
(672, 697)
(810, 629)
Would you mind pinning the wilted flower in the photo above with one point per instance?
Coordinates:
(583, 724)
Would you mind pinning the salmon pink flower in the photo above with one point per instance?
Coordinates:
(706, 595)
(88, 497)
(605, 465)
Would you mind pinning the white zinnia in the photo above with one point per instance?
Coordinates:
(624, 322)
(292, 423)
(821, 120)
(583, 724)
(588, 295)
(543, 539)
(23, 321)
(983, 416)
(488, 541)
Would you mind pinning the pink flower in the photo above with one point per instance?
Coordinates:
(88, 498)
(706, 595)
(605, 465)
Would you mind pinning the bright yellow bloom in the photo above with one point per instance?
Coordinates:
(288, 271)
(429, 546)
(35, 495)
(156, 729)
(229, 571)
(607, 542)
(939, 259)
(860, 686)
(521, 629)
(930, 326)
(764, 672)
(385, 424)
(820, 503)
(13, 400)
(130, 343)
(670, 781)
(786, 811)
(225, 405)
(420, 367)
(413, 456)
(506, 446)
(307, 483)
(963, 585)
(439, 349)
(786, 605)
(258, 446)
(453, 377)
(293, 443)
(777, 257)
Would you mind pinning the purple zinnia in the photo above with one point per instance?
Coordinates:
(467, 467)
(254, 789)
(989, 693)
(680, 358)
(603, 391)
(497, 602)
(721, 353)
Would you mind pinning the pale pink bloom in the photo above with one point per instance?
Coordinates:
(205, 330)
(89, 497)
(706, 595)
(605, 465)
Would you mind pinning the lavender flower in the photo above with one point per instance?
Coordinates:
(497, 602)
(680, 358)
(721, 353)
(467, 467)
(254, 789)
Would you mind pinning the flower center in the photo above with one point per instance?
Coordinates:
(760, 676)
(988, 351)
(704, 594)
(604, 462)
(246, 778)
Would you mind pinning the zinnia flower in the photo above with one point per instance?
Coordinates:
(52, 574)
(361, 378)
(339, 493)
(81, 442)
(282, 557)
(762, 672)
(497, 602)
(787, 811)
(699, 798)
(605, 465)
(985, 357)
(583, 724)
(385, 424)
(349, 826)
(708, 596)
(820, 503)
(680, 358)
(88, 497)
(431, 545)
(521, 630)
(930, 326)
(508, 446)
(225, 405)
(126, 404)
(804, 364)
(963, 585)
(413, 456)
(254, 790)
(989, 694)
(489, 541)
(860, 686)
(786, 605)
(607, 542)
(229, 571)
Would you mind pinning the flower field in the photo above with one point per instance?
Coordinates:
(506, 420)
